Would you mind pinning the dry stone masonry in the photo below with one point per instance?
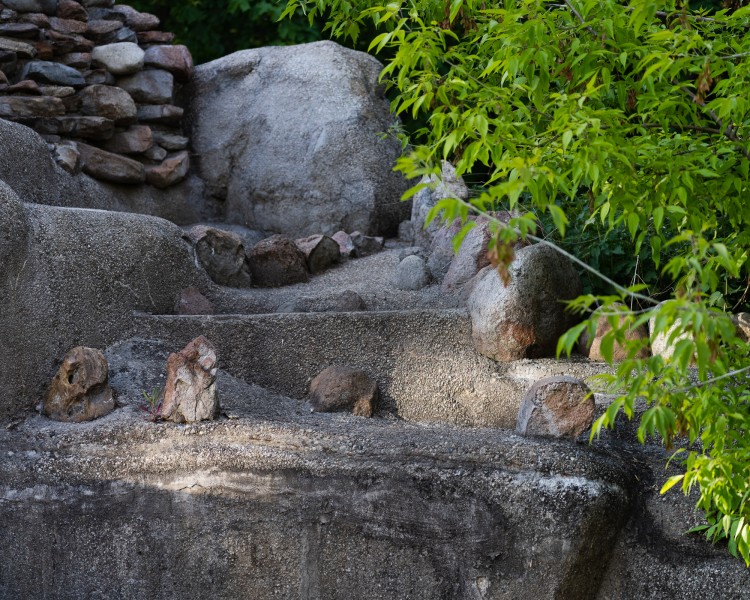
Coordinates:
(98, 81)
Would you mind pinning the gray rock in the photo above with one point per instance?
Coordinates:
(121, 58)
(19, 30)
(80, 390)
(89, 128)
(110, 167)
(17, 47)
(109, 102)
(68, 157)
(559, 407)
(321, 252)
(366, 244)
(340, 388)
(296, 163)
(441, 250)
(170, 141)
(70, 9)
(97, 3)
(137, 21)
(175, 59)
(190, 392)
(49, 72)
(102, 30)
(277, 261)
(406, 231)
(346, 244)
(57, 91)
(48, 7)
(165, 114)
(137, 139)
(99, 77)
(410, 251)
(172, 170)
(70, 26)
(14, 232)
(525, 318)
(153, 86)
(447, 186)
(222, 255)
(471, 257)
(157, 154)
(411, 273)
(26, 165)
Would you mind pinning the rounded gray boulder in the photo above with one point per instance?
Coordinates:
(291, 138)
(14, 232)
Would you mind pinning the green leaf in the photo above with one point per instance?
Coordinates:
(671, 482)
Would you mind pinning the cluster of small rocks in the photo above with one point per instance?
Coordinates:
(98, 81)
(277, 260)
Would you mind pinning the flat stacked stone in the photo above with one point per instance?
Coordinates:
(97, 80)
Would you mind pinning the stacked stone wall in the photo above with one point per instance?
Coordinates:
(98, 81)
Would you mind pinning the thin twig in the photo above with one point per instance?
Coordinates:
(730, 131)
(579, 16)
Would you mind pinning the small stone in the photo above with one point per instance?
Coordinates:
(7, 15)
(165, 114)
(155, 37)
(410, 251)
(58, 91)
(441, 250)
(365, 244)
(346, 245)
(80, 390)
(411, 273)
(68, 25)
(340, 388)
(39, 19)
(109, 102)
(8, 62)
(19, 30)
(48, 7)
(190, 391)
(135, 140)
(175, 59)
(345, 301)
(68, 157)
(137, 21)
(22, 49)
(156, 153)
(153, 86)
(89, 128)
(110, 167)
(172, 170)
(192, 302)
(106, 14)
(120, 59)
(30, 106)
(64, 43)
(70, 9)
(558, 407)
(27, 86)
(406, 231)
(77, 60)
(321, 252)
(170, 141)
(97, 3)
(99, 28)
(123, 34)
(99, 77)
(222, 255)
(54, 73)
(276, 261)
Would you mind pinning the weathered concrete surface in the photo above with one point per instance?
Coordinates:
(424, 361)
(311, 506)
(82, 275)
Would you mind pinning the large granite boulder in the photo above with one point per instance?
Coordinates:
(525, 318)
(26, 165)
(14, 232)
(290, 137)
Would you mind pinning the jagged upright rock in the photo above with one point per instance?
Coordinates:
(298, 163)
(80, 390)
(222, 254)
(190, 391)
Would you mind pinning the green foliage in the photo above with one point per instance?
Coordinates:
(623, 120)
(153, 404)
(215, 28)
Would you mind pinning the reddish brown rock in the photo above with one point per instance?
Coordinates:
(559, 407)
(68, 157)
(80, 390)
(340, 388)
(63, 43)
(30, 106)
(70, 9)
(321, 252)
(99, 29)
(135, 140)
(27, 86)
(110, 167)
(192, 302)
(276, 261)
(222, 255)
(155, 37)
(39, 19)
(172, 170)
(190, 392)
(175, 59)
(109, 102)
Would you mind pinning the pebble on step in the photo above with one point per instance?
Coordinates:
(559, 407)
(341, 388)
